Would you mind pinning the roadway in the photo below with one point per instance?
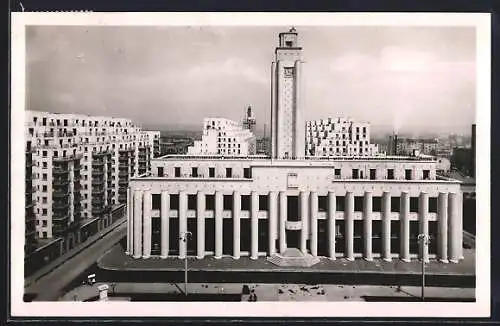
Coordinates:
(49, 286)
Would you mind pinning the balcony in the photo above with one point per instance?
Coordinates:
(97, 191)
(122, 190)
(66, 158)
(123, 174)
(97, 182)
(60, 205)
(97, 163)
(77, 167)
(60, 194)
(98, 201)
(77, 186)
(97, 173)
(60, 182)
(60, 219)
(59, 171)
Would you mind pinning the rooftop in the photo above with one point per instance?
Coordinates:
(171, 157)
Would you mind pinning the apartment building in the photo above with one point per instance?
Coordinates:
(224, 137)
(78, 168)
(154, 136)
(339, 137)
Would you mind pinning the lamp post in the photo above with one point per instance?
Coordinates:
(185, 237)
(423, 239)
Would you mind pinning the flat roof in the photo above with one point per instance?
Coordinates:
(310, 159)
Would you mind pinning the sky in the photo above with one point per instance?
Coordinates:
(395, 77)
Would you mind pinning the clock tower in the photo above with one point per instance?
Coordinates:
(287, 123)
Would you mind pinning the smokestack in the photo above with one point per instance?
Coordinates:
(473, 150)
(395, 144)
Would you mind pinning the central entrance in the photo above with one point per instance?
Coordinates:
(292, 238)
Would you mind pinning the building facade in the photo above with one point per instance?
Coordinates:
(154, 137)
(264, 206)
(224, 137)
(78, 168)
(339, 137)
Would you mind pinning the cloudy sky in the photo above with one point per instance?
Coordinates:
(406, 78)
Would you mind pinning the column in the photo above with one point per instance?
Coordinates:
(314, 223)
(404, 220)
(332, 207)
(219, 202)
(272, 216)
(200, 224)
(386, 226)
(304, 218)
(423, 215)
(367, 225)
(442, 227)
(255, 226)
(137, 224)
(283, 214)
(236, 224)
(129, 224)
(147, 224)
(349, 225)
(461, 224)
(454, 228)
(165, 227)
(182, 225)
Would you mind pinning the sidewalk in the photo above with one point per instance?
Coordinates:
(28, 281)
(273, 292)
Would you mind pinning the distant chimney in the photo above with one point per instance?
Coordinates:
(395, 145)
(473, 152)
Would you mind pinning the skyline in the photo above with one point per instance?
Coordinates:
(396, 78)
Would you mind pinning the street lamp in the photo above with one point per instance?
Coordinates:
(423, 239)
(185, 237)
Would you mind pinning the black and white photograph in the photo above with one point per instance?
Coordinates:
(232, 164)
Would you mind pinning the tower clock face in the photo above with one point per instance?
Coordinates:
(289, 72)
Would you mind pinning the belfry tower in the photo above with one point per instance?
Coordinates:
(287, 123)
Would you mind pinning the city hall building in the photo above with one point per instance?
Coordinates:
(288, 206)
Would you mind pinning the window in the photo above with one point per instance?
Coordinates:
(177, 172)
(373, 174)
(245, 202)
(210, 202)
(44, 223)
(44, 234)
(44, 176)
(376, 204)
(322, 203)
(414, 204)
(247, 173)
(160, 171)
(355, 173)
(263, 203)
(408, 174)
(211, 172)
(358, 203)
(426, 174)
(395, 204)
(156, 201)
(289, 44)
(174, 201)
(44, 212)
(433, 205)
(337, 173)
(44, 153)
(390, 174)
(194, 172)
(44, 200)
(192, 202)
(340, 203)
(227, 202)
(44, 188)
(229, 172)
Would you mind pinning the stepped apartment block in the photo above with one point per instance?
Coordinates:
(269, 207)
(224, 137)
(339, 137)
(78, 169)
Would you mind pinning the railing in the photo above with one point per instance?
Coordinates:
(59, 194)
(97, 190)
(59, 171)
(60, 205)
(60, 182)
(59, 218)
(97, 173)
(97, 181)
(97, 163)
